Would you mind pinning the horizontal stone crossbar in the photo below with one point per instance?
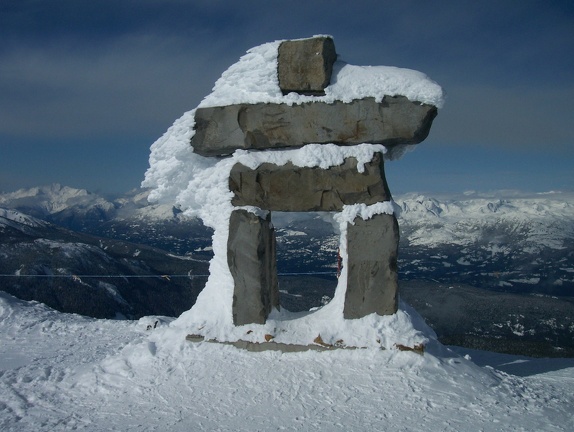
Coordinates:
(299, 189)
(395, 120)
(371, 244)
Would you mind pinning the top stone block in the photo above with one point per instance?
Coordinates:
(305, 66)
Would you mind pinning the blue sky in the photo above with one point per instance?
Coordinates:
(86, 87)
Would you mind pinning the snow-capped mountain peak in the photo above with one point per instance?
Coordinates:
(51, 199)
(56, 203)
(14, 218)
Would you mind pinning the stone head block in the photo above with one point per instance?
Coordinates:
(305, 66)
(299, 189)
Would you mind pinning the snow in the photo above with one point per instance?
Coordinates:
(532, 281)
(66, 372)
(291, 233)
(16, 219)
(541, 221)
(253, 79)
(53, 199)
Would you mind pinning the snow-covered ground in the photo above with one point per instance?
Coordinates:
(67, 372)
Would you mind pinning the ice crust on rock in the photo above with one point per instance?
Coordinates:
(207, 195)
(199, 186)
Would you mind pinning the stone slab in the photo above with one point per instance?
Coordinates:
(305, 66)
(219, 131)
(372, 282)
(251, 256)
(273, 346)
(296, 189)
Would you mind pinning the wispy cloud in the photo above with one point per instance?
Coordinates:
(125, 70)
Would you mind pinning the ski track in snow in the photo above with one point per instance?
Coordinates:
(67, 372)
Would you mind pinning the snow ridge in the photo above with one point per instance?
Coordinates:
(15, 219)
(53, 198)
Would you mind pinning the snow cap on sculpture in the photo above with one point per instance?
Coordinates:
(291, 118)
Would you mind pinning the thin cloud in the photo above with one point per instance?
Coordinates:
(130, 85)
(115, 72)
(518, 118)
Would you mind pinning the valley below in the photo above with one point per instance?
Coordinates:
(494, 273)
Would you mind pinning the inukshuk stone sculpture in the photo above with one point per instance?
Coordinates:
(305, 66)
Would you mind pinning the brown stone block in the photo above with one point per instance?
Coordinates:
(372, 282)
(291, 188)
(305, 66)
(394, 121)
(251, 256)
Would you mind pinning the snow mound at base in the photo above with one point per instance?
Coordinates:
(67, 372)
(405, 328)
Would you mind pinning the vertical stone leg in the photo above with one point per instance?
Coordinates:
(372, 283)
(252, 260)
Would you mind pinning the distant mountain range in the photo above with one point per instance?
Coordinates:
(95, 276)
(503, 243)
(513, 244)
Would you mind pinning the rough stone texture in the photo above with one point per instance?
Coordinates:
(272, 345)
(372, 283)
(305, 66)
(395, 121)
(251, 258)
(292, 188)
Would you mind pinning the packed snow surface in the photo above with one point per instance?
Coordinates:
(65, 372)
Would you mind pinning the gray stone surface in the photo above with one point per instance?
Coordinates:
(395, 121)
(292, 188)
(305, 66)
(251, 258)
(372, 283)
(272, 345)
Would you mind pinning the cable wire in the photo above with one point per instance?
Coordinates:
(165, 276)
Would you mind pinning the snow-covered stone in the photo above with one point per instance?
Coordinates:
(300, 189)
(252, 261)
(249, 109)
(392, 121)
(372, 281)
